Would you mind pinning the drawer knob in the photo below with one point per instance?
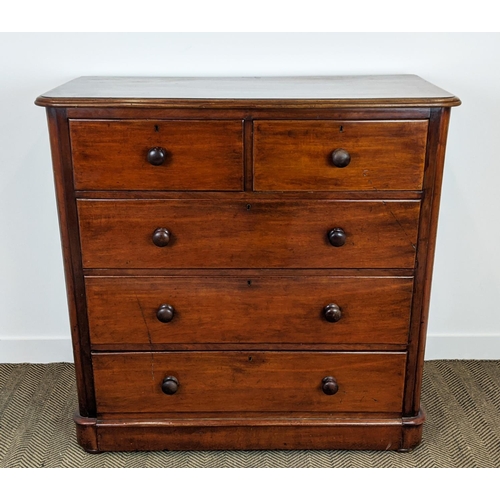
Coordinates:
(156, 156)
(337, 237)
(332, 313)
(165, 313)
(161, 237)
(329, 386)
(170, 385)
(341, 158)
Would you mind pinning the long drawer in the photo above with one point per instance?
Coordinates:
(259, 234)
(248, 381)
(189, 155)
(254, 309)
(329, 155)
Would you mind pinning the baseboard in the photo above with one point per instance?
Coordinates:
(29, 350)
(462, 346)
(439, 346)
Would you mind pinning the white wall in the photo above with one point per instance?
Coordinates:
(464, 320)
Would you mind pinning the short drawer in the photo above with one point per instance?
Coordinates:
(157, 155)
(339, 155)
(248, 381)
(255, 234)
(143, 312)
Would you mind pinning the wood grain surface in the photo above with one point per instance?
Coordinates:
(248, 260)
(296, 155)
(251, 92)
(249, 381)
(200, 155)
(118, 234)
(249, 310)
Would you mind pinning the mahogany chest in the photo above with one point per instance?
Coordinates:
(248, 260)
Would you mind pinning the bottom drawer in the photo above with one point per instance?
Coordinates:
(248, 382)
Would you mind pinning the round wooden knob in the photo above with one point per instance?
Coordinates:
(341, 158)
(329, 386)
(337, 237)
(161, 237)
(170, 385)
(156, 156)
(165, 313)
(332, 313)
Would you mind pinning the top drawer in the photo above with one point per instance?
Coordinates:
(157, 155)
(370, 155)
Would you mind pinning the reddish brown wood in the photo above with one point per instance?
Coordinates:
(249, 434)
(70, 242)
(263, 416)
(294, 317)
(248, 113)
(117, 234)
(248, 141)
(412, 431)
(200, 155)
(297, 155)
(272, 431)
(243, 196)
(249, 310)
(86, 433)
(231, 346)
(367, 91)
(249, 381)
(426, 245)
(249, 273)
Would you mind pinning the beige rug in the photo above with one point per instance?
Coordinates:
(461, 399)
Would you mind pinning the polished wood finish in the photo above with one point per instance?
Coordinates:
(161, 237)
(70, 241)
(298, 155)
(370, 91)
(165, 313)
(199, 155)
(340, 157)
(332, 313)
(202, 272)
(243, 196)
(412, 431)
(249, 381)
(330, 386)
(157, 156)
(377, 433)
(262, 234)
(248, 260)
(170, 385)
(438, 126)
(263, 310)
(248, 113)
(337, 237)
(86, 433)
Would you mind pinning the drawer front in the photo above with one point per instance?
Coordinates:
(337, 310)
(260, 234)
(249, 381)
(297, 155)
(195, 155)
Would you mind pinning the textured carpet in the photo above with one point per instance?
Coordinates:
(461, 399)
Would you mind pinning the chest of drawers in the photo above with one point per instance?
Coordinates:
(248, 260)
